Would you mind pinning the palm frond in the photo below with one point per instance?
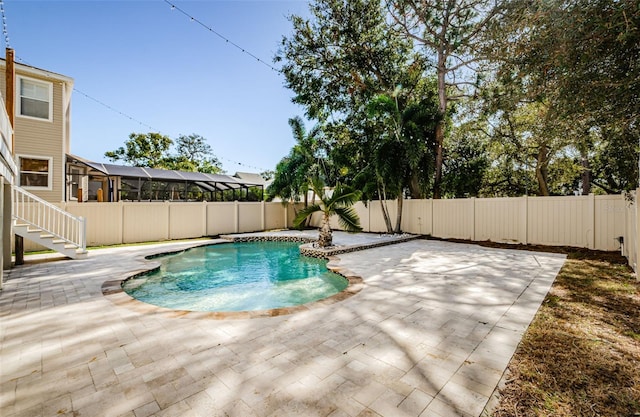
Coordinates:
(304, 213)
(297, 128)
(348, 219)
(344, 197)
(317, 185)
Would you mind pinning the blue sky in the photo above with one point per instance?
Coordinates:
(158, 67)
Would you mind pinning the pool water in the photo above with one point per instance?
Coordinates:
(236, 277)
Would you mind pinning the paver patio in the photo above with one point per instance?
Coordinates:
(430, 334)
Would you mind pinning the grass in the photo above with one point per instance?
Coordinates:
(581, 354)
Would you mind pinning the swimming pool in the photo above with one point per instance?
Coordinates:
(246, 276)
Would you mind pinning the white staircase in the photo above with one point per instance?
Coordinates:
(48, 225)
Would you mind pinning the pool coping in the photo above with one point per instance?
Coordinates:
(309, 249)
(112, 289)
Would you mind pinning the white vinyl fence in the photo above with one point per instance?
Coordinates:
(631, 248)
(132, 222)
(594, 222)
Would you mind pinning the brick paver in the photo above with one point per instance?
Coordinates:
(430, 334)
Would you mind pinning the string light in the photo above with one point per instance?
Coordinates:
(114, 109)
(133, 119)
(5, 31)
(227, 40)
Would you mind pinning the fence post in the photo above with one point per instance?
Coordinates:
(430, 218)
(83, 234)
(168, 206)
(524, 220)
(122, 221)
(591, 237)
(262, 220)
(236, 216)
(204, 218)
(286, 215)
(637, 232)
(473, 219)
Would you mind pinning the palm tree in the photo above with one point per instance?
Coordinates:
(338, 203)
(292, 172)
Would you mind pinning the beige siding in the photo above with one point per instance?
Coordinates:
(44, 138)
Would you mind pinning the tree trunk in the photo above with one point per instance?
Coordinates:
(442, 107)
(385, 213)
(437, 180)
(326, 237)
(399, 215)
(586, 174)
(306, 203)
(414, 186)
(542, 170)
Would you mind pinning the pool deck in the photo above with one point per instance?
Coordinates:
(430, 334)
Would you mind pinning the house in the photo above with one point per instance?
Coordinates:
(42, 129)
(253, 178)
(39, 110)
(38, 172)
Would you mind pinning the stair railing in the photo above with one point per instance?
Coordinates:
(34, 211)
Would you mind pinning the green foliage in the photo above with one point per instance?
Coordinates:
(268, 174)
(465, 166)
(405, 142)
(152, 150)
(337, 202)
(343, 56)
(143, 150)
(366, 84)
(305, 160)
(552, 89)
(579, 59)
(450, 34)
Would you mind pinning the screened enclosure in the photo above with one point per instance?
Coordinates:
(95, 181)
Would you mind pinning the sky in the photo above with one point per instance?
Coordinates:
(139, 66)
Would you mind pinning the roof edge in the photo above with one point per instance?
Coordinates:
(31, 70)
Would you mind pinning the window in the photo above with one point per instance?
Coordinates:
(34, 98)
(35, 172)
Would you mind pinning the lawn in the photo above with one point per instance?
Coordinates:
(581, 354)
